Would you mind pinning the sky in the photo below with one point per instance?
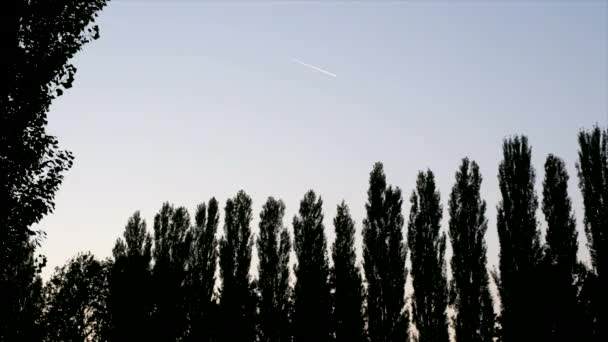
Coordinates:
(183, 100)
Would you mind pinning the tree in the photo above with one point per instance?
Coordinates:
(312, 321)
(592, 170)
(470, 292)
(427, 246)
(76, 301)
(560, 252)
(202, 264)
(593, 180)
(520, 250)
(346, 279)
(588, 305)
(171, 249)
(129, 301)
(237, 303)
(38, 39)
(274, 246)
(384, 256)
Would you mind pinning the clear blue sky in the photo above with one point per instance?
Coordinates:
(183, 100)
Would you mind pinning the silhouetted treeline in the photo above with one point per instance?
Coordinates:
(163, 284)
(190, 279)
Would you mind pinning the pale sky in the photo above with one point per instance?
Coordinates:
(183, 100)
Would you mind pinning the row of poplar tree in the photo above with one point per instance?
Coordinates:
(164, 287)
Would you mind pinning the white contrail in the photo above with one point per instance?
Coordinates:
(315, 68)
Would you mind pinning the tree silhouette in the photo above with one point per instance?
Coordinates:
(560, 252)
(171, 249)
(38, 39)
(592, 169)
(346, 280)
(237, 303)
(76, 301)
(593, 179)
(27, 304)
(274, 246)
(427, 246)
(588, 306)
(470, 290)
(384, 256)
(520, 250)
(202, 264)
(312, 320)
(129, 301)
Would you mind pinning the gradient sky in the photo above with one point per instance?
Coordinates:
(183, 100)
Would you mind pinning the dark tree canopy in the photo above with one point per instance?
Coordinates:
(274, 246)
(427, 250)
(237, 303)
(312, 321)
(346, 280)
(38, 40)
(520, 249)
(592, 169)
(589, 306)
(171, 249)
(136, 241)
(560, 253)
(384, 256)
(593, 181)
(202, 264)
(130, 295)
(76, 300)
(470, 292)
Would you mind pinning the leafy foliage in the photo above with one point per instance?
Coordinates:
(76, 301)
(38, 40)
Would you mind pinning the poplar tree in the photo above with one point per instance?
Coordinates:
(520, 249)
(171, 247)
(384, 256)
(427, 249)
(346, 281)
(592, 170)
(560, 253)
(130, 294)
(470, 292)
(237, 303)
(312, 320)
(274, 246)
(202, 264)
